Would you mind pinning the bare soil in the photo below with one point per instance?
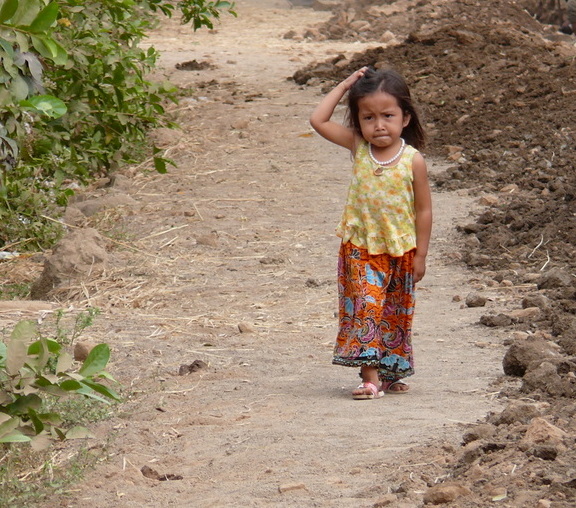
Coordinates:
(218, 299)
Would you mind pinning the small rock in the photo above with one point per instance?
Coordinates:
(509, 189)
(79, 255)
(526, 315)
(387, 37)
(541, 431)
(470, 452)
(245, 328)
(544, 503)
(522, 353)
(488, 200)
(496, 493)
(550, 376)
(496, 320)
(193, 367)
(555, 278)
(287, 487)
(517, 412)
(483, 431)
(475, 473)
(536, 300)
(475, 300)
(82, 350)
(445, 493)
(475, 259)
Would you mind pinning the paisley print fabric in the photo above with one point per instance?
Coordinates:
(376, 306)
(379, 215)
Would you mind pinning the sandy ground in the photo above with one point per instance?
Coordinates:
(242, 233)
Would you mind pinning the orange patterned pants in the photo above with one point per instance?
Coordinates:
(376, 307)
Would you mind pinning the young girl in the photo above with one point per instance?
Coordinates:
(385, 228)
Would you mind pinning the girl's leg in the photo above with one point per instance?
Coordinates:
(396, 326)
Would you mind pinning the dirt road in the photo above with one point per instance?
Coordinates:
(241, 234)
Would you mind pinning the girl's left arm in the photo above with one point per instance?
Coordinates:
(423, 206)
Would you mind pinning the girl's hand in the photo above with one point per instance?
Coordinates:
(355, 76)
(321, 118)
(419, 268)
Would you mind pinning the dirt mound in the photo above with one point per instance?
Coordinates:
(497, 92)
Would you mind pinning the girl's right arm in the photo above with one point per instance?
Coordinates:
(321, 118)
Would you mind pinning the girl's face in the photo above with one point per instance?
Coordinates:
(381, 119)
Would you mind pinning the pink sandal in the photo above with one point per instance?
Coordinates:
(374, 393)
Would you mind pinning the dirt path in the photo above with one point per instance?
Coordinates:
(242, 233)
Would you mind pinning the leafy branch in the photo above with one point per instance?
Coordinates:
(34, 368)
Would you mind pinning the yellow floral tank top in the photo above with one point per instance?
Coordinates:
(379, 215)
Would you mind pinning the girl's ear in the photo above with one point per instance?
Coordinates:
(406, 119)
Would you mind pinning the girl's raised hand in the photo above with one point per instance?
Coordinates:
(355, 76)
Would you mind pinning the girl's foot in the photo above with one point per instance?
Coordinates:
(367, 391)
(396, 387)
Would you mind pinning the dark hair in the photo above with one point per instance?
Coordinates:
(389, 81)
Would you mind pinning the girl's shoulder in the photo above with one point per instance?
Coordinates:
(409, 149)
(360, 145)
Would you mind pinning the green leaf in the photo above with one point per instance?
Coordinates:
(22, 404)
(47, 105)
(64, 362)
(7, 48)
(16, 348)
(53, 347)
(14, 437)
(6, 427)
(38, 425)
(160, 165)
(96, 360)
(70, 385)
(88, 392)
(19, 88)
(8, 10)
(45, 19)
(40, 442)
(44, 354)
(27, 11)
(49, 48)
(50, 418)
(24, 330)
(4, 399)
(103, 390)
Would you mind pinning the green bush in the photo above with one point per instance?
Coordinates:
(36, 372)
(75, 103)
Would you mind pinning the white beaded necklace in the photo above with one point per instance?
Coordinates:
(389, 161)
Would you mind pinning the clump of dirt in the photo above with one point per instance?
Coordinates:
(497, 90)
(81, 254)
